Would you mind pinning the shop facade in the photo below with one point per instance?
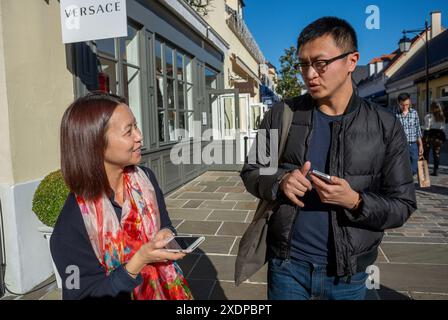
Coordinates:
(169, 67)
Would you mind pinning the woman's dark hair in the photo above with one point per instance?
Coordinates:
(83, 142)
(340, 30)
(437, 111)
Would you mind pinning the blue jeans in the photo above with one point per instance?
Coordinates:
(292, 279)
(413, 152)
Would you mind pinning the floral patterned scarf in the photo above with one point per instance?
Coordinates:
(115, 242)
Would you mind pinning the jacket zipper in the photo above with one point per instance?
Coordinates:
(341, 175)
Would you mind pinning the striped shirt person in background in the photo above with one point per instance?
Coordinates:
(411, 125)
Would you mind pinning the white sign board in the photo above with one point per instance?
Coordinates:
(85, 20)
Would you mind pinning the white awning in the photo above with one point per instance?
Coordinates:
(245, 68)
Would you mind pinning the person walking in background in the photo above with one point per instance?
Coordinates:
(434, 134)
(411, 124)
(114, 224)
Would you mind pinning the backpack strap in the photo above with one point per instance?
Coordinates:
(286, 124)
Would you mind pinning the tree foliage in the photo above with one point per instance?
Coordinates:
(200, 6)
(288, 83)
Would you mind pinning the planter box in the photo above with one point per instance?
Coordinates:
(47, 231)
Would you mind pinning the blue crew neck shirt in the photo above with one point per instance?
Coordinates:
(312, 239)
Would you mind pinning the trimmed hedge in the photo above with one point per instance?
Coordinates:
(50, 197)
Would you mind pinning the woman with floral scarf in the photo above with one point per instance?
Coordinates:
(109, 239)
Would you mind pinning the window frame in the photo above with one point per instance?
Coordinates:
(186, 112)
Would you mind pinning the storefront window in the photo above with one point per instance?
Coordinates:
(107, 75)
(169, 61)
(180, 67)
(229, 116)
(189, 69)
(109, 62)
(160, 93)
(170, 93)
(158, 57)
(178, 106)
(189, 97)
(211, 78)
(161, 126)
(243, 114)
(172, 125)
(181, 95)
(106, 48)
(255, 117)
(131, 77)
(129, 46)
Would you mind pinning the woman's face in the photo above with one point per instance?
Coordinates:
(124, 139)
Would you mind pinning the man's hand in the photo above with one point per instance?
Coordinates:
(420, 150)
(295, 184)
(420, 147)
(338, 192)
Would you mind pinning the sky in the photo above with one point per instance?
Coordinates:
(276, 24)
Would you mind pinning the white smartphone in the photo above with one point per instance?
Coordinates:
(321, 175)
(185, 244)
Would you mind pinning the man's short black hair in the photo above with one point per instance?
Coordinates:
(403, 97)
(341, 31)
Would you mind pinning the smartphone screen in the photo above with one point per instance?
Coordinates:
(183, 243)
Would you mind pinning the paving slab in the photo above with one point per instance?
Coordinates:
(192, 204)
(240, 196)
(201, 195)
(201, 289)
(428, 296)
(187, 263)
(228, 215)
(218, 204)
(199, 227)
(217, 244)
(233, 228)
(416, 253)
(414, 277)
(232, 190)
(214, 268)
(246, 205)
(189, 214)
(174, 203)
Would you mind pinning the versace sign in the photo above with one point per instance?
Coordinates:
(85, 20)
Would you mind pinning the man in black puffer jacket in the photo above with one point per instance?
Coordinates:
(323, 235)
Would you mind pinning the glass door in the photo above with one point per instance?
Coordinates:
(224, 110)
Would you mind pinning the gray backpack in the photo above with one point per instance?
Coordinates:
(252, 249)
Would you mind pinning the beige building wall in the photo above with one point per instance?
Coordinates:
(6, 175)
(217, 20)
(35, 88)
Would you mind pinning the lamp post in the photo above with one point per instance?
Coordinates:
(405, 44)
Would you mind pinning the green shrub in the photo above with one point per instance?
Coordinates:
(49, 198)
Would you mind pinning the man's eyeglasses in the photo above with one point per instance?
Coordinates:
(320, 65)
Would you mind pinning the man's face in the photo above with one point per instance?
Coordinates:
(405, 105)
(322, 85)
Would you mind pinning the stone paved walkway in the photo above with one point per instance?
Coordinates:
(413, 259)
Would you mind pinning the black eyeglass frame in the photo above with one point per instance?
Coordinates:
(302, 65)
